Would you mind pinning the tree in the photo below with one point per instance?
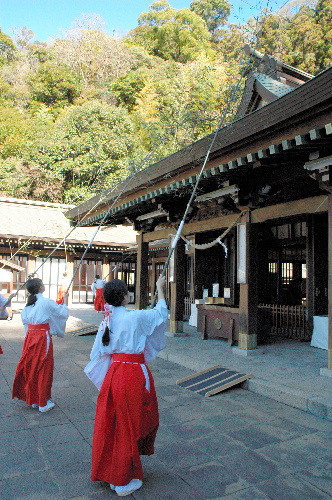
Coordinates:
(323, 14)
(89, 148)
(54, 85)
(180, 35)
(179, 104)
(306, 38)
(275, 37)
(7, 48)
(15, 132)
(127, 87)
(93, 55)
(214, 12)
(21, 179)
(23, 37)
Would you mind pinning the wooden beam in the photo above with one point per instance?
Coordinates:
(223, 168)
(192, 228)
(300, 140)
(305, 206)
(314, 134)
(315, 204)
(232, 164)
(252, 157)
(286, 144)
(274, 149)
(241, 161)
(262, 153)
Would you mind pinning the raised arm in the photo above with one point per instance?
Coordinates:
(161, 285)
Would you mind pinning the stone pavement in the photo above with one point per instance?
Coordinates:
(286, 371)
(237, 445)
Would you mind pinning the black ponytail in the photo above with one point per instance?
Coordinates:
(32, 299)
(106, 336)
(33, 287)
(114, 292)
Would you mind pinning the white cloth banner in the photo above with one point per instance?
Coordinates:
(320, 333)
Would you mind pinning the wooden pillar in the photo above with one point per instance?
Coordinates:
(177, 289)
(106, 269)
(310, 282)
(31, 266)
(153, 278)
(330, 282)
(70, 273)
(142, 273)
(248, 285)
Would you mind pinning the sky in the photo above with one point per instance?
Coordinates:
(51, 18)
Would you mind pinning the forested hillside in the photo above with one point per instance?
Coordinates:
(81, 112)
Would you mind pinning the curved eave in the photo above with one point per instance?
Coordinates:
(292, 143)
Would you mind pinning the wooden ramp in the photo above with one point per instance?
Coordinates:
(213, 380)
(86, 330)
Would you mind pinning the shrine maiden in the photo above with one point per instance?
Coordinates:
(97, 290)
(127, 416)
(41, 318)
(3, 311)
(65, 281)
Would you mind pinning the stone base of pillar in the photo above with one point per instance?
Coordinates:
(247, 342)
(248, 352)
(325, 372)
(329, 362)
(176, 326)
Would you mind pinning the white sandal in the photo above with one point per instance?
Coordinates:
(123, 491)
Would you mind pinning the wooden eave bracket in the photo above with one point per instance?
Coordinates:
(319, 170)
(229, 191)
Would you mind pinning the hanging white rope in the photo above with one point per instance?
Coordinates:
(205, 246)
(79, 223)
(230, 100)
(106, 215)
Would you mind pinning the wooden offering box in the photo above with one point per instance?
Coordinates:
(218, 321)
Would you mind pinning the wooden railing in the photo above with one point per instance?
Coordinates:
(187, 307)
(286, 321)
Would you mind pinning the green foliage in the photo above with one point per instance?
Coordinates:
(180, 104)
(127, 87)
(79, 113)
(324, 16)
(180, 35)
(54, 85)
(15, 133)
(89, 148)
(7, 48)
(21, 179)
(214, 12)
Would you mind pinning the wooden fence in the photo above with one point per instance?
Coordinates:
(187, 307)
(286, 321)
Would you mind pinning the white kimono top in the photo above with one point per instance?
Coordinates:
(46, 311)
(97, 284)
(131, 332)
(3, 314)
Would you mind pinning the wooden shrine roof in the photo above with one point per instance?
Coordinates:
(46, 222)
(280, 125)
(7, 264)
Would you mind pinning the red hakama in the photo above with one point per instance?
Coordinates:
(99, 300)
(34, 372)
(1, 351)
(61, 292)
(126, 422)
